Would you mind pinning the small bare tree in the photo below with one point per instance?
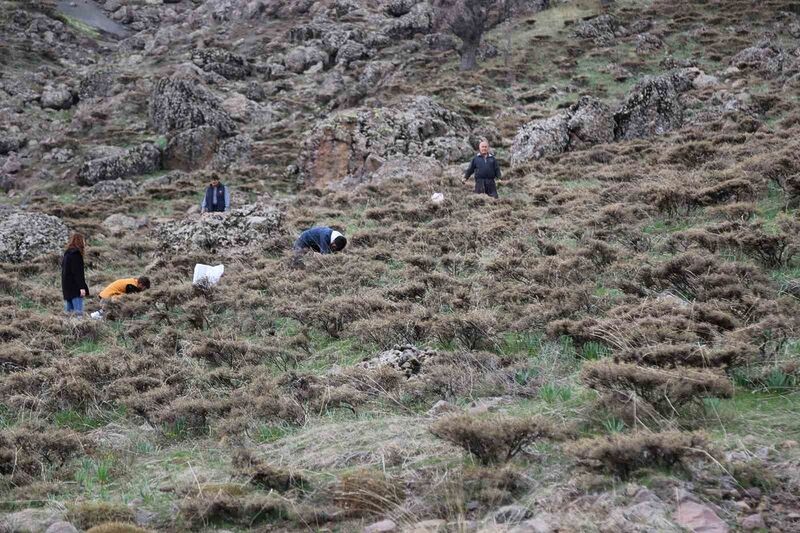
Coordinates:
(469, 20)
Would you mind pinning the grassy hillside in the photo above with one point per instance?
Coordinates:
(640, 293)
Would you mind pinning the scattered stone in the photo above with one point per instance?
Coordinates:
(418, 20)
(790, 444)
(511, 514)
(177, 103)
(44, 234)
(699, 518)
(405, 358)
(302, 58)
(753, 522)
(30, 520)
(61, 527)
(59, 97)
(602, 30)
(12, 164)
(97, 84)
(485, 405)
(143, 159)
(442, 407)
(246, 227)
(541, 523)
(11, 141)
(429, 526)
(384, 526)
(765, 58)
(191, 149)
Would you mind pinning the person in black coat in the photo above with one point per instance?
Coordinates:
(73, 281)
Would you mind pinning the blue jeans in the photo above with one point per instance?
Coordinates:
(74, 306)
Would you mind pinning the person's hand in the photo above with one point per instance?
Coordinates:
(83, 293)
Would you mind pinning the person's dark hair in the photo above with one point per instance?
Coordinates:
(213, 176)
(144, 281)
(340, 243)
(78, 242)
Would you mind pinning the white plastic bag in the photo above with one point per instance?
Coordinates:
(207, 274)
(437, 198)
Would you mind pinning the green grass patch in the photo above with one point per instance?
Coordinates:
(768, 416)
(78, 421)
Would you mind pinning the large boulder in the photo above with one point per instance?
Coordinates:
(418, 20)
(26, 235)
(98, 83)
(653, 106)
(351, 144)
(602, 30)
(301, 58)
(143, 159)
(241, 229)
(58, 97)
(179, 103)
(191, 149)
(585, 123)
(234, 151)
(224, 63)
(119, 224)
(11, 141)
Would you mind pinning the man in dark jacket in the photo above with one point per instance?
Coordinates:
(486, 170)
(217, 198)
(73, 282)
(321, 239)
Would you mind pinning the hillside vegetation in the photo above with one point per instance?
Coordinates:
(612, 345)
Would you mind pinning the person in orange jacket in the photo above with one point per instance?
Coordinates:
(125, 286)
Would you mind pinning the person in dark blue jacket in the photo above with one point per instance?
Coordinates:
(486, 170)
(217, 198)
(320, 239)
(73, 282)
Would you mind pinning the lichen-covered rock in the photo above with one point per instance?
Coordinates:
(398, 8)
(109, 190)
(765, 57)
(224, 63)
(302, 58)
(419, 19)
(119, 224)
(590, 122)
(233, 151)
(30, 520)
(601, 30)
(178, 103)
(540, 138)
(653, 106)
(26, 235)
(11, 141)
(97, 84)
(243, 228)
(58, 97)
(143, 159)
(343, 145)
(191, 149)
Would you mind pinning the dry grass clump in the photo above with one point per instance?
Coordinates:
(641, 388)
(213, 507)
(624, 454)
(474, 330)
(367, 492)
(85, 515)
(688, 355)
(265, 476)
(495, 440)
(116, 527)
(27, 451)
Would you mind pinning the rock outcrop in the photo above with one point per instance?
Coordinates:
(143, 159)
(352, 144)
(243, 228)
(178, 103)
(407, 359)
(26, 235)
(224, 63)
(109, 190)
(191, 149)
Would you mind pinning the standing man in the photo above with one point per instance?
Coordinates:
(486, 171)
(217, 198)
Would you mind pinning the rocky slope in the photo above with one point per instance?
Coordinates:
(611, 346)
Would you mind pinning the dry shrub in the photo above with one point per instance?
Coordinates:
(191, 414)
(474, 330)
(735, 212)
(26, 451)
(116, 527)
(624, 454)
(732, 190)
(263, 475)
(214, 507)
(666, 391)
(16, 357)
(491, 486)
(367, 492)
(495, 440)
(452, 375)
(667, 355)
(398, 328)
(85, 515)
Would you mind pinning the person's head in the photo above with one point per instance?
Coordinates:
(143, 282)
(213, 179)
(78, 242)
(483, 147)
(338, 243)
